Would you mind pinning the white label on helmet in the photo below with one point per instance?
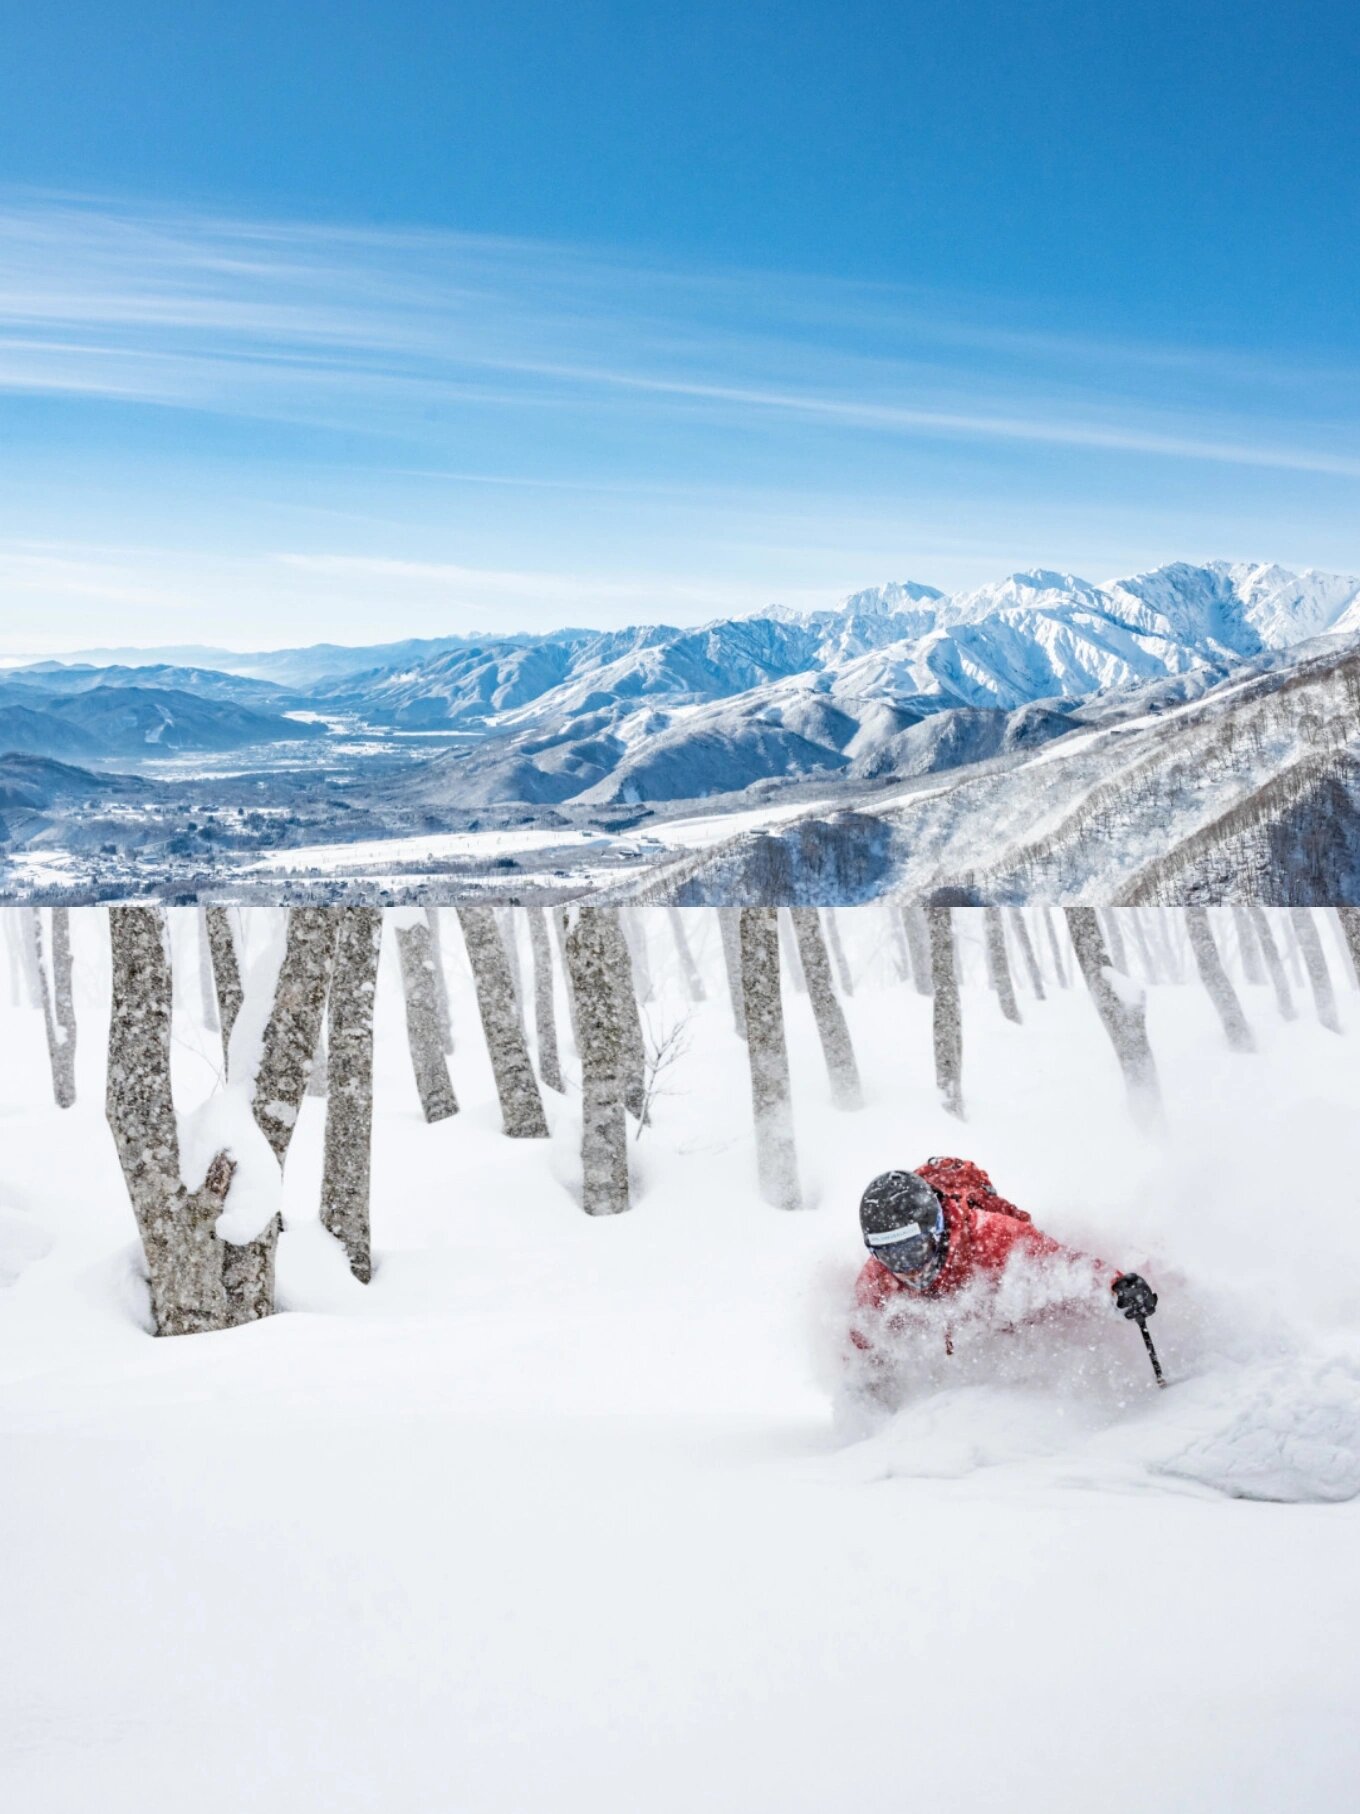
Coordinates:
(893, 1235)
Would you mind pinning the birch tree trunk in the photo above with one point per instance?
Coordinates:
(633, 926)
(199, 1281)
(918, 943)
(415, 953)
(1055, 946)
(345, 1181)
(1349, 919)
(63, 999)
(1253, 966)
(207, 988)
(1293, 956)
(634, 1047)
(293, 1029)
(441, 981)
(789, 952)
(226, 975)
(1164, 923)
(557, 917)
(1315, 962)
(1274, 963)
(694, 983)
(30, 944)
(545, 1013)
(12, 923)
(771, 1099)
(832, 1030)
(998, 964)
(901, 949)
(1133, 918)
(1216, 980)
(1026, 944)
(590, 964)
(177, 1228)
(1122, 1016)
(948, 1015)
(319, 1078)
(1114, 938)
(507, 926)
(58, 1004)
(287, 1054)
(729, 926)
(1346, 948)
(521, 1105)
(833, 939)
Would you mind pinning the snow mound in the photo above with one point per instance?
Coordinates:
(1294, 1436)
(963, 1429)
(21, 1243)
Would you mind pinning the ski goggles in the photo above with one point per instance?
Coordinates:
(911, 1248)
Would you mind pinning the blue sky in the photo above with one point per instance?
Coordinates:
(356, 321)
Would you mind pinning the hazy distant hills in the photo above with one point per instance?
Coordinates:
(288, 669)
(98, 719)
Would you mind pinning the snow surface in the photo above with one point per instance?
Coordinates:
(572, 844)
(580, 1515)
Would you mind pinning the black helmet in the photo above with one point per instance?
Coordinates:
(902, 1221)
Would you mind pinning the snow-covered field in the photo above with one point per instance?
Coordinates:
(573, 1514)
(573, 845)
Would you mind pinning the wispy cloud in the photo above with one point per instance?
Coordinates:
(301, 430)
(366, 331)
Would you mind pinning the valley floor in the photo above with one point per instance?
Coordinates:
(571, 1514)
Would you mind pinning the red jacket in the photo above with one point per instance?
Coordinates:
(984, 1230)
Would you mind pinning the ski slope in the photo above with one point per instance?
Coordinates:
(578, 1515)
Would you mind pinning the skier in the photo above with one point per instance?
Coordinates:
(931, 1232)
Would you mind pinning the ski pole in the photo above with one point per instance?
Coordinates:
(1152, 1352)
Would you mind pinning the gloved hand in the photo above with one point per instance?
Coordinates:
(1134, 1296)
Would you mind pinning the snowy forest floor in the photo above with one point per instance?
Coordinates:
(561, 1513)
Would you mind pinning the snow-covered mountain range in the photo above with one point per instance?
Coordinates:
(1034, 635)
(898, 680)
